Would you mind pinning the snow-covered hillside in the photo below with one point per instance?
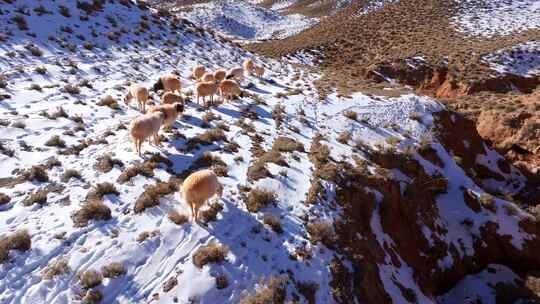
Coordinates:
(245, 21)
(495, 17)
(64, 143)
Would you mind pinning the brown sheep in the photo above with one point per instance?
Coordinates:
(208, 77)
(168, 83)
(144, 127)
(140, 93)
(198, 187)
(230, 88)
(198, 72)
(171, 112)
(170, 98)
(219, 75)
(259, 71)
(248, 66)
(206, 89)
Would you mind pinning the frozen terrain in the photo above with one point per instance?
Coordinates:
(522, 59)
(245, 21)
(58, 63)
(495, 17)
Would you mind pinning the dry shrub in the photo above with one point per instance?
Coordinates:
(55, 141)
(211, 253)
(259, 198)
(109, 101)
(315, 192)
(70, 173)
(145, 169)
(56, 268)
(257, 171)
(210, 214)
(71, 89)
(113, 270)
(308, 290)
(287, 144)
(106, 163)
(488, 201)
(271, 290)
(273, 222)
(274, 156)
(327, 172)
(222, 282)
(177, 218)
(4, 198)
(92, 210)
(143, 236)
(101, 190)
(207, 138)
(278, 114)
(320, 232)
(150, 197)
(351, 115)
(92, 296)
(169, 284)
(38, 197)
(344, 137)
(19, 240)
(90, 279)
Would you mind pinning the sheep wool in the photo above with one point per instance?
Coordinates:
(198, 187)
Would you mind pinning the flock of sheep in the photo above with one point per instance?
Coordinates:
(201, 185)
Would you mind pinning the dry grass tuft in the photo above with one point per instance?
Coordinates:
(257, 171)
(69, 174)
(90, 279)
(320, 232)
(207, 138)
(19, 240)
(210, 214)
(106, 163)
(92, 296)
(56, 268)
(488, 201)
(38, 197)
(222, 282)
(271, 291)
(211, 253)
(93, 210)
(101, 190)
(287, 144)
(177, 218)
(37, 173)
(150, 197)
(4, 199)
(55, 141)
(109, 101)
(113, 270)
(273, 222)
(351, 115)
(259, 198)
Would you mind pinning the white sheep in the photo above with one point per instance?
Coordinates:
(198, 72)
(170, 98)
(248, 66)
(197, 188)
(205, 89)
(139, 92)
(229, 88)
(168, 83)
(208, 77)
(259, 71)
(219, 75)
(170, 111)
(144, 127)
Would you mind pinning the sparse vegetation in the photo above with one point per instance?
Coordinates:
(177, 218)
(222, 282)
(92, 210)
(19, 240)
(37, 197)
(55, 141)
(106, 163)
(286, 144)
(90, 279)
(211, 253)
(151, 195)
(37, 173)
(113, 270)
(56, 268)
(109, 101)
(320, 231)
(271, 290)
(273, 222)
(488, 201)
(4, 199)
(69, 174)
(100, 190)
(259, 198)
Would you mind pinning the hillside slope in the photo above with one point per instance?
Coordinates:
(326, 199)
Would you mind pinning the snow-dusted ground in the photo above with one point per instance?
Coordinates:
(497, 17)
(245, 21)
(255, 251)
(522, 59)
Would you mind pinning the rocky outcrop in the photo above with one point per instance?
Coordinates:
(433, 229)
